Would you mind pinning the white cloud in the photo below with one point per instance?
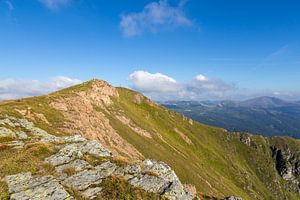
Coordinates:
(15, 88)
(62, 81)
(147, 82)
(155, 16)
(55, 4)
(201, 77)
(162, 87)
(203, 84)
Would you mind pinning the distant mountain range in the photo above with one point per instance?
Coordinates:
(268, 116)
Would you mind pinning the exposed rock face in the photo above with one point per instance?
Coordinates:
(5, 132)
(24, 187)
(288, 166)
(100, 93)
(81, 117)
(77, 165)
(76, 150)
(245, 139)
(21, 135)
(126, 121)
(23, 123)
(183, 136)
(68, 139)
(73, 172)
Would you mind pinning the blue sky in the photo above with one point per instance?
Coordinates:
(239, 48)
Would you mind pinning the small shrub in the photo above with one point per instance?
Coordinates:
(69, 171)
(46, 169)
(93, 160)
(120, 161)
(6, 139)
(151, 173)
(3, 147)
(75, 193)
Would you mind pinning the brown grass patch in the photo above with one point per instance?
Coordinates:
(115, 188)
(69, 171)
(3, 147)
(121, 161)
(24, 160)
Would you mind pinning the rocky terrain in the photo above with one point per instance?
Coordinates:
(72, 172)
(288, 166)
(96, 141)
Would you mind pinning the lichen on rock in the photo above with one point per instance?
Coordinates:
(71, 172)
(23, 187)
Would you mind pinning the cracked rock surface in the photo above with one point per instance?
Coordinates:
(74, 173)
(24, 187)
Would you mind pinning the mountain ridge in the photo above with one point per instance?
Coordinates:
(217, 163)
(263, 115)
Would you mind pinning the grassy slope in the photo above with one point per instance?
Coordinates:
(216, 157)
(217, 163)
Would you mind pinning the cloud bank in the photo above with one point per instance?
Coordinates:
(154, 17)
(16, 88)
(162, 87)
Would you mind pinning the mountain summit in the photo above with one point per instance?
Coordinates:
(73, 125)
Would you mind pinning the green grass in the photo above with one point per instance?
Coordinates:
(216, 162)
(214, 156)
(39, 105)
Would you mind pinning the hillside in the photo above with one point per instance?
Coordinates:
(264, 115)
(217, 163)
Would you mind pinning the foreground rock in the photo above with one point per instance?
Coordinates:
(5, 132)
(25, 187)
(155, 177)
(73, 172)
(77, 150)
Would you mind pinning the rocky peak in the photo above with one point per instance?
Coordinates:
(100, 92)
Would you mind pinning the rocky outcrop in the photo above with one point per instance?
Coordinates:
(73, 171)
(288, 166)
(245, 139)
(5, 132)
(23, 186)
(77, 150)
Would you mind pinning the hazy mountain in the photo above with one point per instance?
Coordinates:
(210, 160)
(265, 102)
(264, 115)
